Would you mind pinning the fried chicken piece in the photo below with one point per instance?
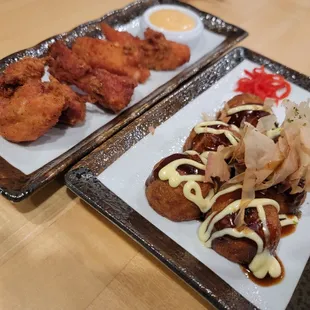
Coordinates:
(65, 65)
(157, 53)
(18, 73)
(75, 112)
(122, 37)
(75, 106)
(161, 54)
(113, 57)
(33, 109)
(6, 91)
(109, 90)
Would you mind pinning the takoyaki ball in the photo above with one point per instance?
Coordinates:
(245, 107)
(169, 201)
(200, 140)
(243, 250)
(289, 203)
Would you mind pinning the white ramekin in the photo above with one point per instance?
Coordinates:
(190, 37)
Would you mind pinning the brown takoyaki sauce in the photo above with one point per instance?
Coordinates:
(233, 246)
(287, 230)
(248, 116)
(251, 219)
(210, 141)
(290, 203)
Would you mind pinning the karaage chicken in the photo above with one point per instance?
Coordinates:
(113, 57)
(156, 53)
(109, 90)
(75, 108)
(5, 90)
(32, 110)
(30, 107)
(18, 73)
(65, 65)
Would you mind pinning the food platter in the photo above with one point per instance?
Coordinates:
(21, 175)
(112, 180)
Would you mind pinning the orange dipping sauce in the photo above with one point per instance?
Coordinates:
(172, 20)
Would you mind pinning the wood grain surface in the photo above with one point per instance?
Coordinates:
(55, 251)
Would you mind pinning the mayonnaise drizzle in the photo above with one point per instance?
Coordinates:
(204, 128)
(191, 189)
(246, 107)
(263, 262)
(170, 173)
(245, 233)
(288, 220)
(197, 197)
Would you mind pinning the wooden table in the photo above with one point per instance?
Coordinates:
(55, 252)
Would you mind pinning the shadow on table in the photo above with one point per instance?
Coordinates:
(164, 272)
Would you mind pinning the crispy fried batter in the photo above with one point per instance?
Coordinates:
(65, 65)
(75, 112)
(75, 107)
(18, 73)
(161, 54)
(157, 53)
(113, 57)
(122, 37)
(21, 71)
(30, 107)
(109, 90)
(6, 91)
(31, 112)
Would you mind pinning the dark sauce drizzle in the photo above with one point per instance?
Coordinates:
(210, 142)
(249, 116)
(288, 230)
